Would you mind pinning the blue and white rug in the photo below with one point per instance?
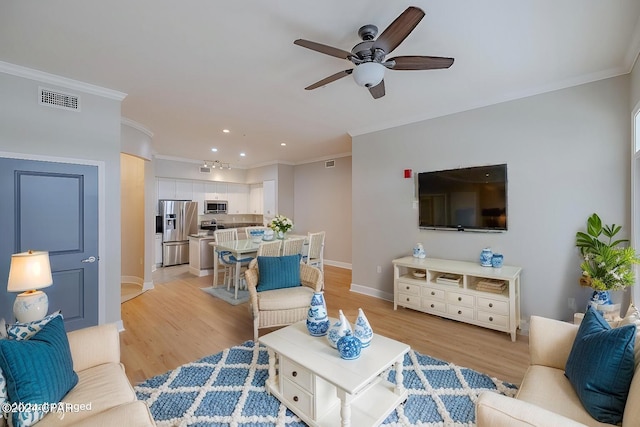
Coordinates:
(228, 389)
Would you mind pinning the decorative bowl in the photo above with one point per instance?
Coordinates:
(420, 274)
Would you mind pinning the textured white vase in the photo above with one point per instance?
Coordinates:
(363, 329)
(338, 330)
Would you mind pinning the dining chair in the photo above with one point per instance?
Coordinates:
(248, 230)
(226, 259)
(269, 248)
(293, 246)
(315, 255)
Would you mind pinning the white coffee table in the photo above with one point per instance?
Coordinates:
(308, 376)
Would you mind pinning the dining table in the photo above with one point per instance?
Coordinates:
(240, 249)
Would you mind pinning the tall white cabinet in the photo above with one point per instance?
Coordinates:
(450, 289)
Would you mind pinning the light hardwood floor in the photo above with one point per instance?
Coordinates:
(177, 323)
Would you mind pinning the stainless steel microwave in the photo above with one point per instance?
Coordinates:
(215, 206)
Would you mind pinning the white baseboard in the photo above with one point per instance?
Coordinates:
(132, 279)
(200, 273)
(120, 325)
(147, 285)
(377, 293)
(338, 264)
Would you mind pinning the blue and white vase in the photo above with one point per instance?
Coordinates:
(317, 319)
(349, 347)
(418, 251)
(363, 329)
(338, 330)
(497, 260)
(600, 298)
(485, 257)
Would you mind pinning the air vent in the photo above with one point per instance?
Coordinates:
(204, 169)
(330, 164)
(58, 99)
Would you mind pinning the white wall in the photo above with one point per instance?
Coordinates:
(322, 198)
(93, 134)
(567, 154)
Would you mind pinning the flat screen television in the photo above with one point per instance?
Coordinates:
(465, 199)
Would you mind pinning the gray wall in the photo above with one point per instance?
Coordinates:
(322, 199)
(93, 134)
(568, 156)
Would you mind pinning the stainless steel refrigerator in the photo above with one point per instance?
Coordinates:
(179, 219)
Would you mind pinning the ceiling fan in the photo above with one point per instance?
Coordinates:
(368, 56)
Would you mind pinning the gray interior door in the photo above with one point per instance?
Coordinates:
(53, 207)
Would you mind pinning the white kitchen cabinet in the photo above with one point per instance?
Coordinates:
(452, 289)
(215, 190)
(238, 198)
(269, 198)
(199, 195)
(256, 202)
(175, 189)
(184, 189)
(157, 249)
(166, 188)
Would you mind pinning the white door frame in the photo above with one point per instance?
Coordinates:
(635, 194)
(101, 215)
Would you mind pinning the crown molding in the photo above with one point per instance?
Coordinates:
(137, 126)
(52, 79)
(506, 97)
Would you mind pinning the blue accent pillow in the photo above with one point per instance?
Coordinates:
(38, 370)
(277, 272)
(600, 366)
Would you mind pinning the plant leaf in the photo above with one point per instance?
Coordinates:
(594, 225)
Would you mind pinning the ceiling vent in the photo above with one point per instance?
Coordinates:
(205, 169)
(58, 99)
(330, 164)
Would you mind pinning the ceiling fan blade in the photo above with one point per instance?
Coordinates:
(377, 91)
(323, 48)
(398, 30)
(331, 78)
(420, 62)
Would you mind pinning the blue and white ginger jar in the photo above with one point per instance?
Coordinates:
(363, 329)
(338, 330)
(485, 257)
(317, 319)
(349, 347)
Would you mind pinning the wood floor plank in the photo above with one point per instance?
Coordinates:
(177, 323)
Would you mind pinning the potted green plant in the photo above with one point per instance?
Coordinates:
(607, 263)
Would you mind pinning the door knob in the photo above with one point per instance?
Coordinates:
(90, 259)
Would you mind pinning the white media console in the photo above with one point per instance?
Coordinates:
(459, 290)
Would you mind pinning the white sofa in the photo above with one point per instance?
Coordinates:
(102, 382)
(546, 397)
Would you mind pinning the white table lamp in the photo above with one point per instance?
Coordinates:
(29, 272)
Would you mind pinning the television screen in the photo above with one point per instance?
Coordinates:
(473, 199)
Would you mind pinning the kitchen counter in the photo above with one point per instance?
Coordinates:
(201, 257)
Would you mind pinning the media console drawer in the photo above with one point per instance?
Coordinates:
(459, 300)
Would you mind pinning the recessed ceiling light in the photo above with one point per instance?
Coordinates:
(284, 144)
(226, 130)
(242, 154)
(214, 149)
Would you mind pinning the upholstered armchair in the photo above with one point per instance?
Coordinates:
(283, 306)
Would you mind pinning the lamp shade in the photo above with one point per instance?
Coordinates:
(368, 74)
(29, 270)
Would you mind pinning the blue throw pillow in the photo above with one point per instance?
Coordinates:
(600, 366)
(277, 272)
(38, 370)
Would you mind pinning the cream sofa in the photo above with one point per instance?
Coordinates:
(101, 382)
(546, 398)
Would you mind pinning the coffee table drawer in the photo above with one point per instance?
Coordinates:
(297, 397)
(296, 373)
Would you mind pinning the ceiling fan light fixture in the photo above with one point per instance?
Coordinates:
(368, 74)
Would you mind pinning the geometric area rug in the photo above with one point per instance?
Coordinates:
(228, 295)
(228, 389)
